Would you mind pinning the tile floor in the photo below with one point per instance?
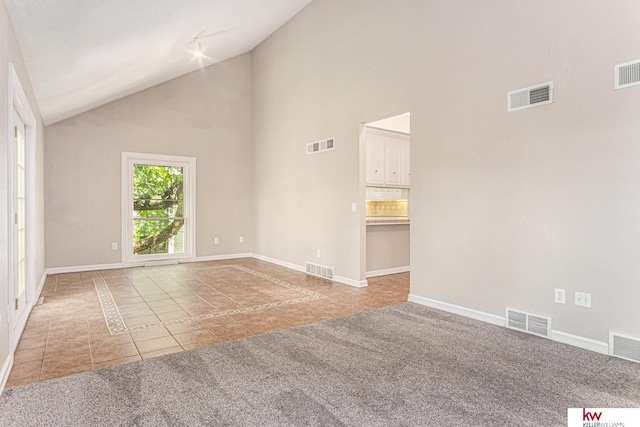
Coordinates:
(96, 319)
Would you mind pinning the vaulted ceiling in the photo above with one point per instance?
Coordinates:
(81, 54)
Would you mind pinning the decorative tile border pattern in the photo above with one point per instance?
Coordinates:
(117, 325)
(109, 308)
(275, 280)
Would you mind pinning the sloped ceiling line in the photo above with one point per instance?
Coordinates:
(83, 54)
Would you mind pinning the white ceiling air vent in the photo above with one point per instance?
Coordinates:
(527, 322)
(319, 270)
(532, 96)
(318, 146)
(627, 74)
(624, 346)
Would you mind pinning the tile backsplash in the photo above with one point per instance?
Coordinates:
(387, 208)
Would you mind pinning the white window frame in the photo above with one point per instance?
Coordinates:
(189, 174)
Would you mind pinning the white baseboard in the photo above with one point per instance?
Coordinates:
(6, 369)
(162, 262)
(16, 328)
(221, 257)
(40, 286)
(456, 309)
(581, 342)
(278, 262)
(387, 271)
(77, 269)
(351, 282)
(561, 337)
(81, 268)
(339, 279)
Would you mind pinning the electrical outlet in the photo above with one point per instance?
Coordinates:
(560, 296)
(583, 299)
(114, 246)
(318, 253)
(241, 239)
(216, 240)
(353, 207)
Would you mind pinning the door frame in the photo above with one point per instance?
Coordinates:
(19, 103)
(189, 174)
(364, 128)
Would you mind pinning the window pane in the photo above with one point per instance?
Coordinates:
(21, 181)
(158, 193)
(157, 182)
(158, 209)
(21, 150)
(22, 244)
(158, 236)
(22, 276)
(22, 216)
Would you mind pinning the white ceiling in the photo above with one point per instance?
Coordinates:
(399, 123)
(81, 54)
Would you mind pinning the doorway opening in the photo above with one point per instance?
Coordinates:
(387, 195)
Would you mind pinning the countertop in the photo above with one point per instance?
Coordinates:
(387, 220)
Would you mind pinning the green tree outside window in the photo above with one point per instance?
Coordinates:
(158, 209)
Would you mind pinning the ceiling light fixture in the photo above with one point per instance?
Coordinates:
(198, 52)
(197, 47)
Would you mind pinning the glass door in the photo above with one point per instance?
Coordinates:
(19, 217)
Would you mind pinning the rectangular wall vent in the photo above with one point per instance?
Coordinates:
(627, 74)
(624, 346)
(532, 96)
(318, 146)
(319, 270)
(530, 323)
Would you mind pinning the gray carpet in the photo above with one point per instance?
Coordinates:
(404, 365)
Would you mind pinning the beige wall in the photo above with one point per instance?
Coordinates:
(387, 247)
(10, 53)
(205, 114)
(505, 206)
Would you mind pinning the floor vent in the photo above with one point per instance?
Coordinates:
(318, 270)
(162, 262)
(318, 146)
(532, 96)
(530, 323)
(624, 346)
(627, 74)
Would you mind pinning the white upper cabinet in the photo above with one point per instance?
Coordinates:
(406, 164)
(375, 159)
(392, 161)
(387, 158)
